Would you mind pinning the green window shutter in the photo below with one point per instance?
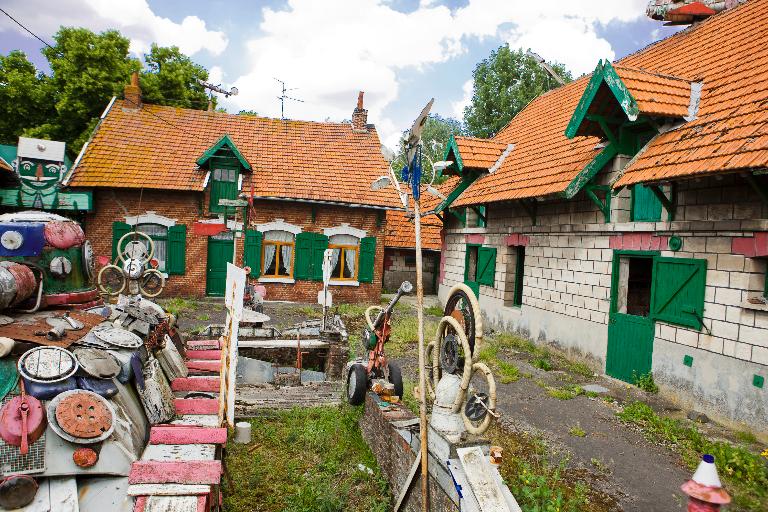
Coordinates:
(646, 207)
(303, 264)
(319, 245)
(177, 250)
(482, 220)
(486, 265)
(252, 251)
(118, 230)
(223, 186)
(367, 259)
(678, 292)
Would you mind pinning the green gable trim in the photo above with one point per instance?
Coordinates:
(591, 170)
(224, 141)
(603, 73)
(458, 165)
(465, 182)
(8, 153)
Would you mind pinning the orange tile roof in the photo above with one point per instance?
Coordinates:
(728, 52)
(479, 153)
(5, 165)
(655, 94)
(400, 231)
(157, 146)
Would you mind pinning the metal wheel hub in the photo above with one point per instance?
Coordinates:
(449, 353)
(477, 407)
(83, 415)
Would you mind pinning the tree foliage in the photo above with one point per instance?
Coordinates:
(504, 84)
(434, 137)
(87, 69)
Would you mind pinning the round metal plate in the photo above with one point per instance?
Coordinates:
(83, 415)
(103, 417)
(449, 353)
(63, 324)
(11, 240)
(118, 337)
(97, 363)
(47, 364)
(89, 262)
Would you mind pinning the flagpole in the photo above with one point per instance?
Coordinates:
(422, 375)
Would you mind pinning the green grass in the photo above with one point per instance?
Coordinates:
(542, 363)
(645, 382)
(507, 372)
(577, 431)
(544, 357)
(408, 399)
(310, 311)
(434, 311)
(204, 317)
(565, 393)
(305, 459)
(746, 437)
(405, 334)
(177, 306)
(743, 472)
(489, 354)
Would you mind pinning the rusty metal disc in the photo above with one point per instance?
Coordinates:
(84, 415)
(85, 457)
(97, 363)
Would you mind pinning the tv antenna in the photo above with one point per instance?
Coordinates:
(216, 88)
(283, 97)
(545, 66)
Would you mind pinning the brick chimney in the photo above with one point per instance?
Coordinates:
(360, 115)
(133, 92)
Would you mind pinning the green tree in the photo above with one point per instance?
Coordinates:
(504, 84)
(434, 137)
(171, 78)
(248, 113)
(26, 96)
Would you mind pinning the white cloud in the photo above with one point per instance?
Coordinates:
(133, 18)
(332, 49)
(459, 106)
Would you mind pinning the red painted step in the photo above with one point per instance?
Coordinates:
(197, 366)
(196, 405)
(204, 354)
(177, 472)
(203, 344)
(168, 434)
(196, 384)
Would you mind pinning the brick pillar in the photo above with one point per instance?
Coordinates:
(360, 115)
(133, 92)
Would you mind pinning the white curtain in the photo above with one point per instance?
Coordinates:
(350, 260)
(159, 235)
(269, 255)
(344, 240)
(286, 251)
(334, 262)
(279, 236)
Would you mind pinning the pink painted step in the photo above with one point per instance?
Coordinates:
(202, 344)
(195, 384)
(168, 434)
(141, 503)
(196, 406)
(204, 354)
(177, 472)
(197, 366)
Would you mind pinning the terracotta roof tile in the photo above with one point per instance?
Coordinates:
(657, 95)
(400, 231)
(479, 153)
(157, 146)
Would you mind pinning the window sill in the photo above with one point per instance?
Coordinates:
(344, 283)
(286, 280)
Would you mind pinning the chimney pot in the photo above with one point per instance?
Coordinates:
(133, 92)
(360, 115)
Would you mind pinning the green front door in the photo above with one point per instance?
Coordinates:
(630, 327)
(219, 254)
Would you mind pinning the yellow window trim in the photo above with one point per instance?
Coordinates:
(355, 248)
(278, 246)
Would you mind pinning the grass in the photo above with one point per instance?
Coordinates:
(577, 431)
(178, 305)
(542, 363)
(544, 357)
(310, 311)
(305, 459)
(645, 382)
(565, 393)
(746, 437)
(409, 400)
(743, 472)
(204, 317)
(434, 311)
(405, 335)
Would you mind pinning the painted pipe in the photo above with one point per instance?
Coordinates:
(17, 283)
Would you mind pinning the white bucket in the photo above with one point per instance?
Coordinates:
(242, 432)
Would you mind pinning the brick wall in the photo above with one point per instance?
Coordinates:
(188, 207)
(400, 265)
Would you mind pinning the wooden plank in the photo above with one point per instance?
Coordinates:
(141, 504)
(187, 435)
(177, 452)
(171, 504)
(202, 504)
(63, 494)
(192, 472)
(311, 343)
(485, 487)
(204, 420)
(210, 384)
(167, 490)
(203, 344)
(214, 355)
(196, 405)
(196, 366)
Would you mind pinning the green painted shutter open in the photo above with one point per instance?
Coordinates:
(486, 265)
(118, 230)
(678, 292)
(482, 220)
(367, 259)
(303, 265)
(319, 245)
(646, 207)
(177, 250)
(252, 251)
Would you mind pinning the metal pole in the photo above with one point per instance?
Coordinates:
(422, 374)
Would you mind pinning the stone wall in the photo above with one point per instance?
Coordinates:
(567, 283)
(400, 265)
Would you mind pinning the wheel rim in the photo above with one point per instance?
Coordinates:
(352, 385)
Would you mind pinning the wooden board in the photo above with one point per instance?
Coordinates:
(187, 435)
(213, 355)
(485, 487)
(210, 384)
(179, 452)
(204, 420)
(170, 504)
(55, 495)
(308, 344)
(203, 344)
(168, 490)
(190, 472)
(196, 405)
(198, 366)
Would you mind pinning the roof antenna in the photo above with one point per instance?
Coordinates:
(546, 67)
(283, 97)
(216, 88)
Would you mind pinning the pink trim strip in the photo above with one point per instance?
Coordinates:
(474, 239)
(204, 365)
(751, 247)
(187, 472)
(196, 406)
(140, 504)
(195, 384)
(204, 354)
(167, 434)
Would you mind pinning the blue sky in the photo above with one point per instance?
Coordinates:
(401, 52)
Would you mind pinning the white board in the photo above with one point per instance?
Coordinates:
(179, 452)
(233, 299)
(484, 485)
(197, 420)
(168, 490)
(171, 504)
(55, 495)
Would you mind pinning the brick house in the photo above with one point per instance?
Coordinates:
(400, 251)
(624, 217)
(163, 171)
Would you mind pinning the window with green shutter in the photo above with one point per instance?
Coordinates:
(223, 186)
(645, 206)
(319, 245)
(486, 265)
(303, 263)
(252, 251)
(481, 216)
(176, 262)
(118, 230)
(367, 259)
(678, 291)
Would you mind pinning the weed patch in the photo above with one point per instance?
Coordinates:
(405, 333)
(577, 431)
(305, 460)
(178, 306)
(434, 311)
(565, 393)
(542, 363)
(645, 382)
(743, 472)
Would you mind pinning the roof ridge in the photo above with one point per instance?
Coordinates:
(654, 73)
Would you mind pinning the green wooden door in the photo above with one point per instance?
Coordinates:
(219, 254)
(631, 328)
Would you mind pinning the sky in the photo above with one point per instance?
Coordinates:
(400, 52)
